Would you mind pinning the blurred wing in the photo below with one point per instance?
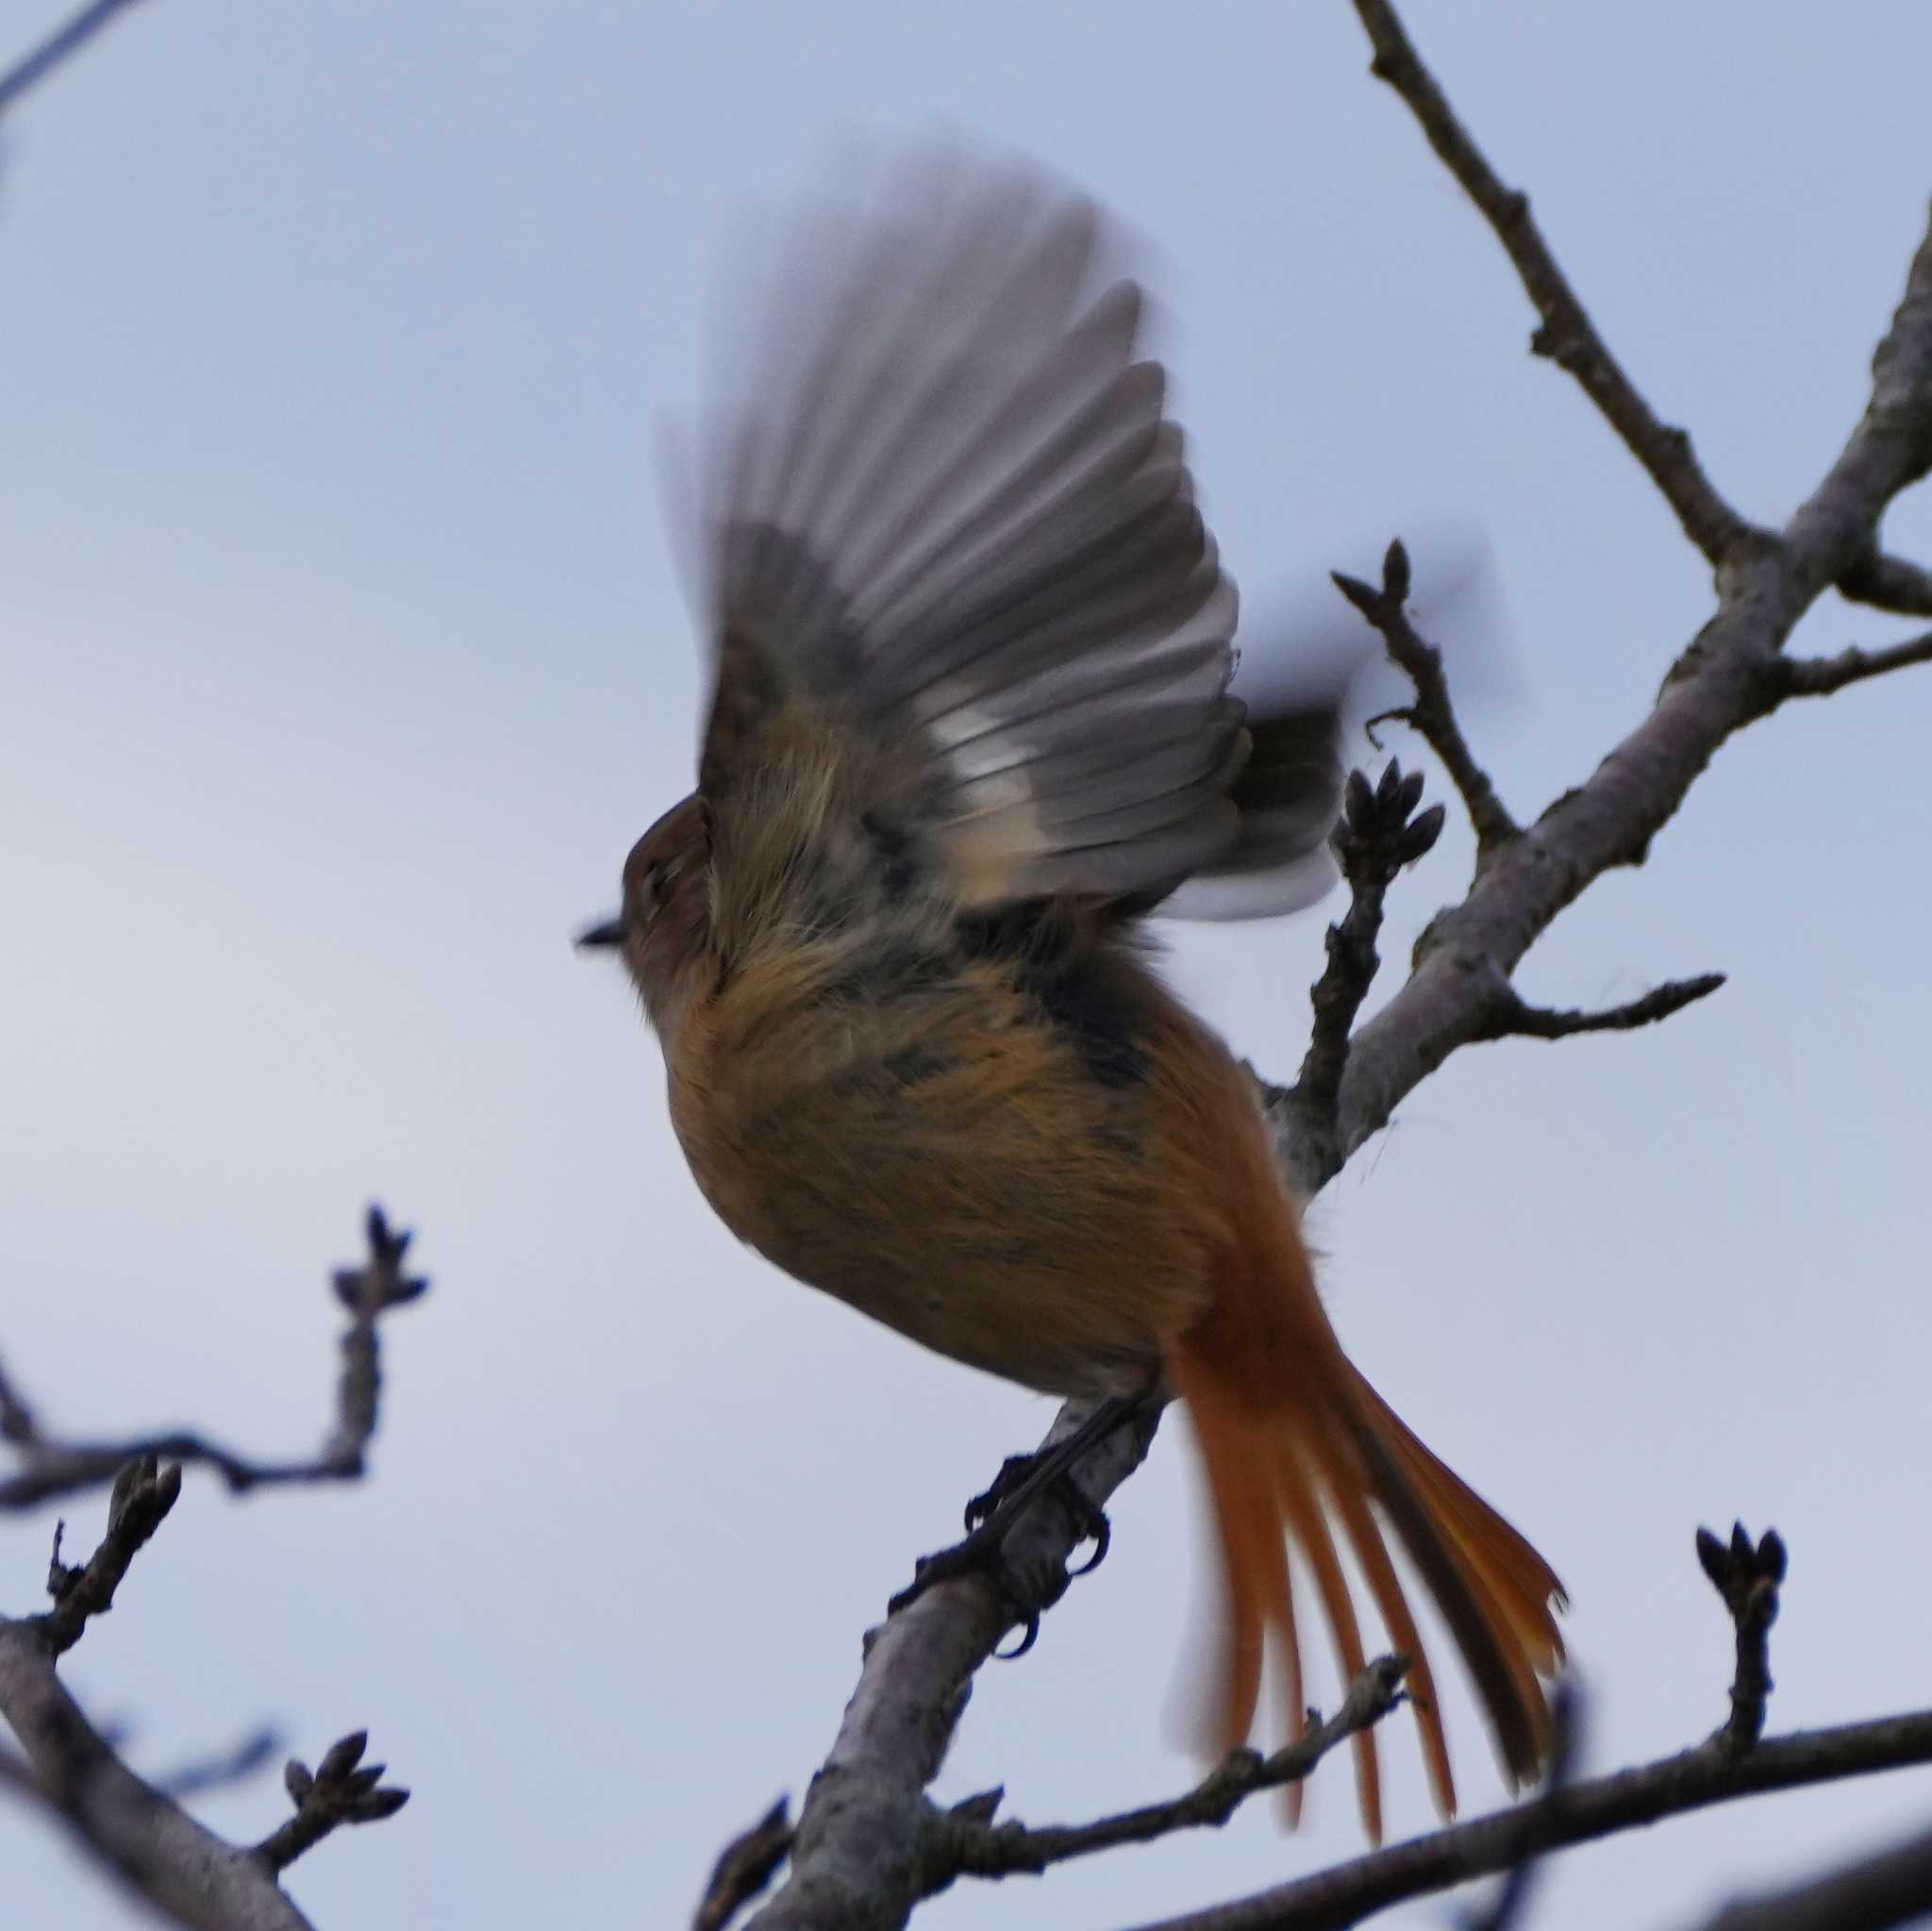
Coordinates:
(1288, 795)
(949, 518)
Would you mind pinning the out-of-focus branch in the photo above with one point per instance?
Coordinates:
(62, 43)
(1518, 1881)
(49, 1468)
(1431, 715)
(1871, 1895)
(743, 1869)
(214, 1773)
(143, 1494)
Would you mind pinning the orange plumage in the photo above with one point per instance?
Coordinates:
(972, 722)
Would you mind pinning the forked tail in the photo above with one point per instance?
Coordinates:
(1295, 1442)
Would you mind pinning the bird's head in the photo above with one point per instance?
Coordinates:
(663, 930)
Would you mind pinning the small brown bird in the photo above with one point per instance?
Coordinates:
(971, 720)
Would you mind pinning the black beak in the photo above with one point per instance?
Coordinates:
(600, 937)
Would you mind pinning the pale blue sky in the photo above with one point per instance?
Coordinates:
(340, 660)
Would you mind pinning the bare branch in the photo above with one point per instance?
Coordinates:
(968, 1845)
(1566, 334)
(1375, 839)
(1511, 1018)
(35, 67)
(1731, 675)
(1748, 1576)
(745, 1867)
(51, 1468)
(1432, 714)
(1820, 676)
(1695, 1779)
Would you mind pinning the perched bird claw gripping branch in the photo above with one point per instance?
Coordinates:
(972, 722)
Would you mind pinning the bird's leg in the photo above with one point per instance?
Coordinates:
(1021, 1480)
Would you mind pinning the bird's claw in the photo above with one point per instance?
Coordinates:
(990, 1518)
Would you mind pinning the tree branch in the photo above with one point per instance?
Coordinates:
(1519, 1880)
(1565, 335)
(1820, 677)
(745, 1867)
(1732, 675)
(858, 1857)
(35, 67)
(1375, 839)
(1671, 1787)
(1431, 715)
(1748, 1577)
(1870, 1894)
(143, 1494)
(1889, 583)
(340, 1790)
(51, 1468)
(1511, 1019)
(968, 1845)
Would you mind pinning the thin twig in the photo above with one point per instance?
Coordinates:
(1820, 676)
(1375, 836)
(1565, 335)
(1748, 1576)
(1431, 715)
(1671, 1787)
(51, 1468)
(1511, 1018)
(34, 67)
(968, 1845)
(143, 1493)
(340, 1790)
(743, 1869)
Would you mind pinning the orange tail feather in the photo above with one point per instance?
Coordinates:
(1289, 1433)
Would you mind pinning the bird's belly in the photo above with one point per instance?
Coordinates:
(1062, 1260)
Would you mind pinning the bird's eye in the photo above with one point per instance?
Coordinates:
(656, 883)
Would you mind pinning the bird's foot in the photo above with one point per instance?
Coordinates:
(1010, 1494)
(990, 1518)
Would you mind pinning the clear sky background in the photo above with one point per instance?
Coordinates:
(341, 659)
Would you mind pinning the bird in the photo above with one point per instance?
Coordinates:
(971, 725)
